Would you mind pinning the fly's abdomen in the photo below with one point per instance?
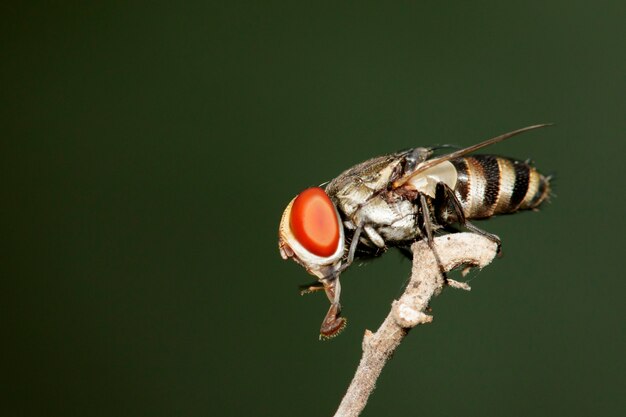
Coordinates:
(489, 185)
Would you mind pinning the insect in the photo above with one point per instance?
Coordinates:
(394, 200)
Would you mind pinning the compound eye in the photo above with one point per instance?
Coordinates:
(314, 222)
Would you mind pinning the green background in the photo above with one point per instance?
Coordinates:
(148, 151)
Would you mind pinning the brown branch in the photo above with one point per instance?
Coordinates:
(454, 250)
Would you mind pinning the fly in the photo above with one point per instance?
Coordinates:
(394, 200)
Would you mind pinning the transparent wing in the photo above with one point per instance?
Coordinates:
(461, 152)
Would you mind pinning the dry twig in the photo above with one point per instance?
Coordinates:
(426, 281)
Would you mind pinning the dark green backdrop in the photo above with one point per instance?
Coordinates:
(148, 151)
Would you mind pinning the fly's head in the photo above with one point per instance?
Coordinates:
(311, 233)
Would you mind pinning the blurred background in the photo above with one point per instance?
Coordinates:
(149, 149)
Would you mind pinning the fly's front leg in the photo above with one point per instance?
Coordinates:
(332, 324)
(353, 245)
(311, 288)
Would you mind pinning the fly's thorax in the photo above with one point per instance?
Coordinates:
(355, 187)
(361, 195)
(375, 172)
(386, 219)
(404, 229)
(351, 198)
(384, 211)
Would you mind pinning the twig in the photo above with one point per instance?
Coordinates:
(454, 250)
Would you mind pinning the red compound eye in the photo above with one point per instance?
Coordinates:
(314, 222)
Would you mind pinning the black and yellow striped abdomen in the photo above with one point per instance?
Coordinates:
(489, 185)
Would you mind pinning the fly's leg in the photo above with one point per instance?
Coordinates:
(311, 288)
(450, 199)
(428, 226)
(353, 244)
(332, 324)
(352, 250)
(488, 235)
(446, 199)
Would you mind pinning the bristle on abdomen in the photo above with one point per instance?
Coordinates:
(489, 185)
